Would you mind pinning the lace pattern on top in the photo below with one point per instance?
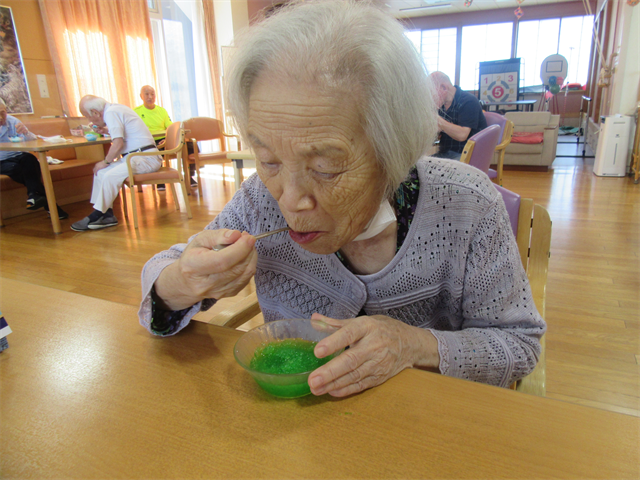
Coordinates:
(458, 273)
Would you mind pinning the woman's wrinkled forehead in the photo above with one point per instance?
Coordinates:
(322, 83)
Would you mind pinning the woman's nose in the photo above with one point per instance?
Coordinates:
(296, 197)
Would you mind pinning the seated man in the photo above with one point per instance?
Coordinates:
(128, 134)
(23, 167)
(154, 116)
(460, 116)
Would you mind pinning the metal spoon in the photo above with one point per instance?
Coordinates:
(217, 248)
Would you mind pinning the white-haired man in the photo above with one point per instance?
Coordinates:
(128, 134)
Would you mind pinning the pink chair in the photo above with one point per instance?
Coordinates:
(512, 202)
(479, 150)
(533, 236)
(506, 132)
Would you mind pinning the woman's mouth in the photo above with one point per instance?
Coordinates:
(303, 237)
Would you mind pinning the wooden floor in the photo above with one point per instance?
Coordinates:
(593, 301)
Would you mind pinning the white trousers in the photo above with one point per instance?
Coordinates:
(108, 181)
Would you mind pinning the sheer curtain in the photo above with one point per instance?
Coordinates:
(214, 60)
(101, 48)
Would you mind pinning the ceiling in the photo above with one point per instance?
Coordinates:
(441, 7)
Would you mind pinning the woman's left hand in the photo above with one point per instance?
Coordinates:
(379, 348)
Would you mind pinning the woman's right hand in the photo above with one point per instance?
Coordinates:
(202, 273)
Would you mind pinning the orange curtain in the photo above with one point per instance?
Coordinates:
(99, 47)
(212, 51)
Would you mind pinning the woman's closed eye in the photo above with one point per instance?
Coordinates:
(325, 175)
(269, 166)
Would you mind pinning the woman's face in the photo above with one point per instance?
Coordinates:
(316, 161)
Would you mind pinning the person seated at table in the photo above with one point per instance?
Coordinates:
(411, 259)
(460, 116)
(23, 167)
(154, 116)
(128, 134)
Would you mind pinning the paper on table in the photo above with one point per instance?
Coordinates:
(54, 139)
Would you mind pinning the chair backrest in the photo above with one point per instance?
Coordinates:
(512, 202)
(205, 128)
(534, 244)
(493, 118)
(532, 235)
(478, 152)
(173, 136)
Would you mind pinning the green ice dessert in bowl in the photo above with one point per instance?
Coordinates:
(279, 354)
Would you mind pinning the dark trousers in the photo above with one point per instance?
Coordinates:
(25, 169)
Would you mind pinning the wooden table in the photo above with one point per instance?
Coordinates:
(88, 393)
(39, 148)
(241, 159)
(527, 104)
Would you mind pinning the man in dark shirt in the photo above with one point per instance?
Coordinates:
(460, 116)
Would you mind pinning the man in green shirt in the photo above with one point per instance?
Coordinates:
(154, 116)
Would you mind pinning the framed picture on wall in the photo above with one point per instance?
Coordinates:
(14, 89)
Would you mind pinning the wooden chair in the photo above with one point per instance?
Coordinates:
(506, 127)
(167, 175)
(532, 225)
(1, 221)
(479, 149)
(202, 129)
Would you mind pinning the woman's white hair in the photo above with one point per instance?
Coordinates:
(346, 44)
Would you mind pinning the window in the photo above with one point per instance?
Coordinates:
(90, 72)
(575, 46)
(183, 73)
(482, 43)
(437, 49)
(569, 37)
(537, 39)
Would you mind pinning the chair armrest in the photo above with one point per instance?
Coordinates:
(503, 145)
(163, 153)
(238, 312)
(237, 137)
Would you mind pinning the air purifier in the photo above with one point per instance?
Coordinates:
(613, 146)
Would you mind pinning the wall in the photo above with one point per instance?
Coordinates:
(621, 50)
(625, 83)
(35, 56)
(531, 12)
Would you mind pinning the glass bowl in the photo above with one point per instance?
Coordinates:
(286, 385)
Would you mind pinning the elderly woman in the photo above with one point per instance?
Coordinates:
(411, 259)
